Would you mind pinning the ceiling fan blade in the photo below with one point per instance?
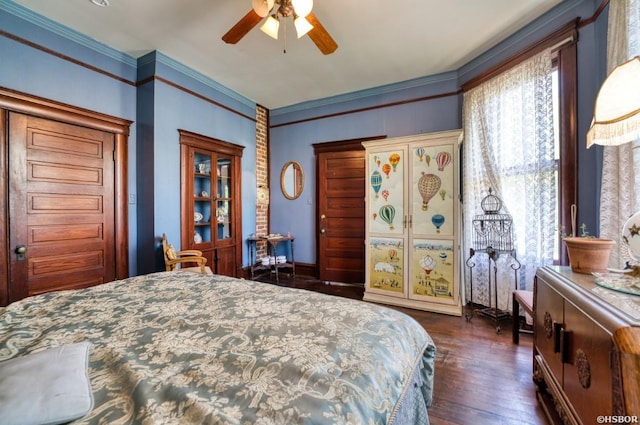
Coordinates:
(241, 29)
(320, 36)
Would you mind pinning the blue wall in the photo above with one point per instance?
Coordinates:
(33, 71)
(297, 127)
(158, 107)
(294, 142)
(165, 110)
(138, 90)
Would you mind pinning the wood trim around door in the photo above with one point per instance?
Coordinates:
(11, 100)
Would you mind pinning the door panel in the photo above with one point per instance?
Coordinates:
(588, 345)
(549, 316)
(341, 216)
(61, 203)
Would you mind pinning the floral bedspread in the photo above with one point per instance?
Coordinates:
(188, 348)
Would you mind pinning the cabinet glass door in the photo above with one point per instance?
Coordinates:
(224, 199)
(202, 198)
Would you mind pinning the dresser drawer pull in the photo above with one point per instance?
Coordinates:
(557, 337)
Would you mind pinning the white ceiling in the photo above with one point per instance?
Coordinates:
(379, 42)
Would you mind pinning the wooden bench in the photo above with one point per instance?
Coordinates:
(524, 299)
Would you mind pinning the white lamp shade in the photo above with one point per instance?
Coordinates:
(302, 26)
(302, 7)
(616, 116)
(270, 27)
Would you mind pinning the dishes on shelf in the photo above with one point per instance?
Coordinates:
(197, 217)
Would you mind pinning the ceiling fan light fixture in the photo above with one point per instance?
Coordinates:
(262, 7)
(270, 27)
(302, 26)
(302, 7)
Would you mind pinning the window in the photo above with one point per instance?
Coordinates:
(551, 170)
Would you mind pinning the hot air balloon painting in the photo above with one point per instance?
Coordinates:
(376, 181)
(437, 220)
(386, 169)
(428, 264)
(394, 159)
(442, 160)
(387, 214)
(385, 194)
(428, 185)
(420, 153)
(374, 215)
(427, 159)
(393, 254)
(442, 193)
(443, 256)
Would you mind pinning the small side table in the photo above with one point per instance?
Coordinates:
(272, 248)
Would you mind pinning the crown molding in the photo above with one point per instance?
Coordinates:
(361, 94)
(197, 76)
(66, 32)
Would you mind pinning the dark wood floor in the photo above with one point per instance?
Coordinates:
(481, 377)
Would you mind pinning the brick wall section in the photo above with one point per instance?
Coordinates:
(262, 174)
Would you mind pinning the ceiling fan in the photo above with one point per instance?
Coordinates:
(304, 20)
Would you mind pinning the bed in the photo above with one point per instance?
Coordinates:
(180, 347)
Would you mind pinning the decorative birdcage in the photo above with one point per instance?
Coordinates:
(492, 230)
(492, 235)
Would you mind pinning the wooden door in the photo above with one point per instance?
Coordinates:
(61, 204)
(341, 207)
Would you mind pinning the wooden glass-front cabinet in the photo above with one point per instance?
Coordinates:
(412, 222)
(210, 201)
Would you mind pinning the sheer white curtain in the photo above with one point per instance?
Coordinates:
(621, 164)
(509, 147)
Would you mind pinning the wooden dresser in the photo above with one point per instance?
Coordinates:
(586, 361)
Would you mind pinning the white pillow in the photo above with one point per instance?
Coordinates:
(47, 387)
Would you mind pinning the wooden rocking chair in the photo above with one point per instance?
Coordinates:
(175, 260)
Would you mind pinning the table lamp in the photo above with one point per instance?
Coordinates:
(616, 120)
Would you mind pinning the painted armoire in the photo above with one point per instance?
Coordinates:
(412, 222)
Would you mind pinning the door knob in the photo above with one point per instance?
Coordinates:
(323, 231)
(322, 217)
(20, 251)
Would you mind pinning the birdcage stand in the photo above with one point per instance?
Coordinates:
(494, 312)
(492, 236)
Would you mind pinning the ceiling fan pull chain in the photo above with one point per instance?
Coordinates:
(285, 38)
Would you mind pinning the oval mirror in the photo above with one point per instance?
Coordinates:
(291, 180)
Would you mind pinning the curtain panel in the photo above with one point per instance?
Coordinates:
(621, 164)
(509, 148)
